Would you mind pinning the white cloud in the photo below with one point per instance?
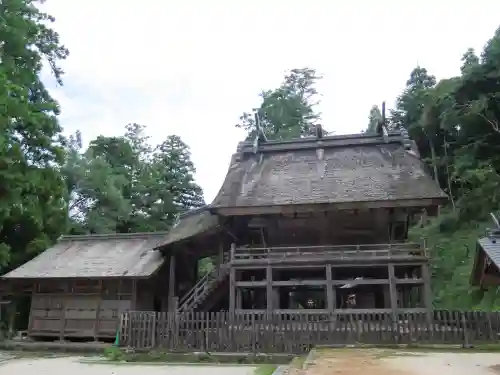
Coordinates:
(192, 67)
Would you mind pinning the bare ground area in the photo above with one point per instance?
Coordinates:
(72, 366)
(383, 362)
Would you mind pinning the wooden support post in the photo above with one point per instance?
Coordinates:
(12, 314)
(33, 299)
(269, 289)
(63, 309)
(232, 290)
(330, 292)
(171, 283)
(98, 311)
(393, 290)
(238, 298)
(134, 295)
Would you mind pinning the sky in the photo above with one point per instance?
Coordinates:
(192, 67)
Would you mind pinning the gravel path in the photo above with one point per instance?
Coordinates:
(71, 366)
(447, 363)
(377, 362)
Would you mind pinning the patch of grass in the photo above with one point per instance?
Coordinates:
(114, 354)
(120, 355)
(265, 369)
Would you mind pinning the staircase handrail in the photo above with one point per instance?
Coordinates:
(206, 281)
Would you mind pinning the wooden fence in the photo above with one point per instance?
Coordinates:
(297, 333)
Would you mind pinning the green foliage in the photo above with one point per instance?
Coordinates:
(33, 204)
(118, 184)
(287, 111)
(114, 354)
(120, 355)
(265, 370)
(455, 126)
(123, 184)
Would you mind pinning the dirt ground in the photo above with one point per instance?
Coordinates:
(72, 366)
(380, 362)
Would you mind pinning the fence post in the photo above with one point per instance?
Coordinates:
(464, 328)
(153, 333)
(130, 329)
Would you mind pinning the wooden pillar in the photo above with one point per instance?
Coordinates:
(427, 295)
(12, 314)
(63, 309)
(34, 292)
(232, 290)
(98, 311)
(134, 294)
(330, 291)
(393, 290)
(239, 298)
(171, 283)
(269, 289)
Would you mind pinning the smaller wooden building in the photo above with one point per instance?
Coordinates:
(80, 286)
(486, 269)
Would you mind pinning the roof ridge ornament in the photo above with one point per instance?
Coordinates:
(319, 131)
(382, 125)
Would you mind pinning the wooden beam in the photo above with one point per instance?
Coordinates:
(238, 298)
(33, 297)
(341, 206)
(232, 290)
(171, 283)
(260, 284)
(330, 291)
(393, 290)
(269, 289)
(320, 266)
(321, 260)
(98, 311)
(63, 309)
(326, 312)
(133, 302)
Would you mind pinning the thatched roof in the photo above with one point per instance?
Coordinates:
(190, 224)
(335, 169)
(96, 256)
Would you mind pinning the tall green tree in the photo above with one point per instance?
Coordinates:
(124, 184)
(288, 111)
(33, 205)
(455, 124)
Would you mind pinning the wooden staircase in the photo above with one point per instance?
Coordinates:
(203, 288)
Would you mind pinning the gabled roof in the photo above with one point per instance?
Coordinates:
(190, 224)
(491, 246)
(334, 169)
(96, 256)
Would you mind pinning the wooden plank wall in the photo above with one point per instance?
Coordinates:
(79, 308)
(298, 333)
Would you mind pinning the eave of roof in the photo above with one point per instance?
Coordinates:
(95, 256)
